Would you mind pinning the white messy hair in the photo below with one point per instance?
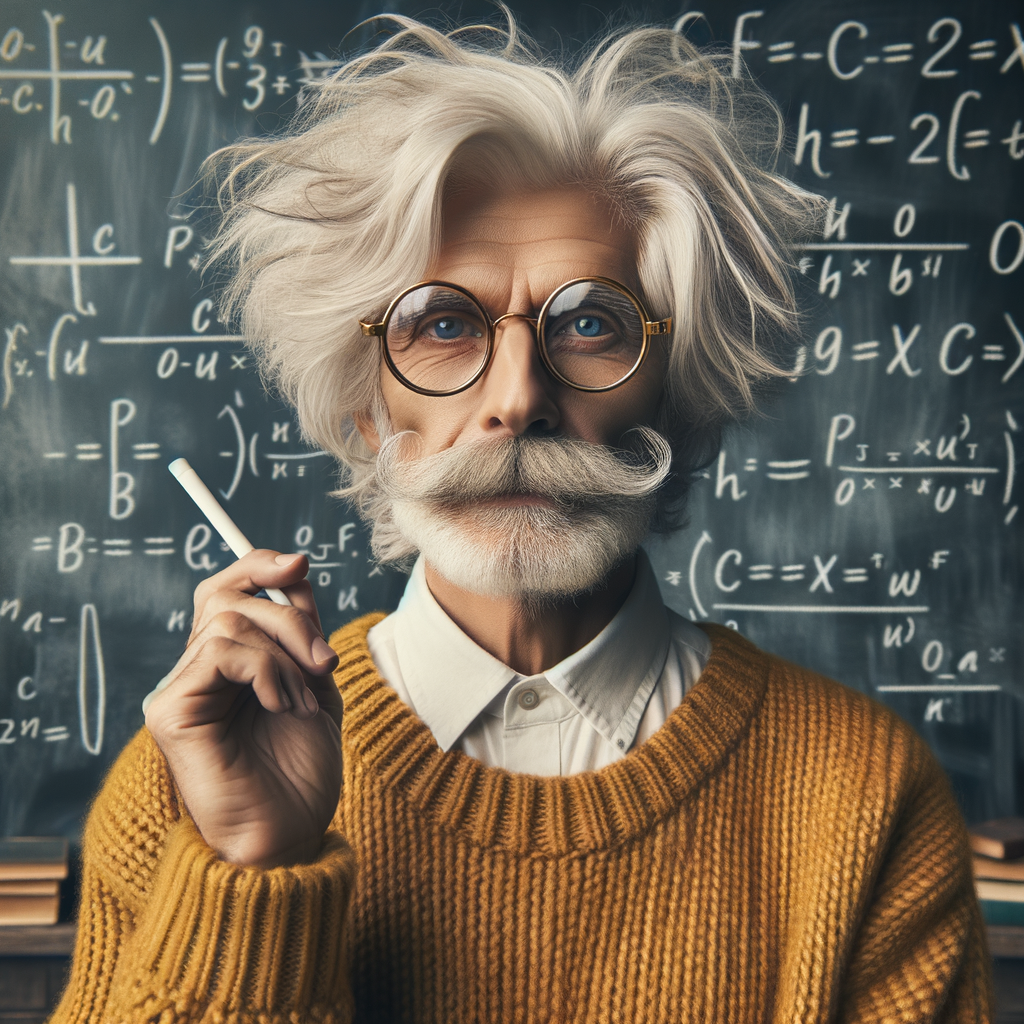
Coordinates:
(324, 224)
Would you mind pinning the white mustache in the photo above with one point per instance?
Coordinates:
(574, 474)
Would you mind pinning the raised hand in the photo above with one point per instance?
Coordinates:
(250, 718)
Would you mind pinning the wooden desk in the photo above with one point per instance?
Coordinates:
(33, 970)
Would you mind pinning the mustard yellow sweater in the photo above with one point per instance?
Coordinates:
(783, 849)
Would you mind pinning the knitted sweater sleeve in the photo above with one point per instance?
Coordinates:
(921, 952)
(168, 932)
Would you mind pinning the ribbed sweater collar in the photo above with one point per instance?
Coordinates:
(529, 815)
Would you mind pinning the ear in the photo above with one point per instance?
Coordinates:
(364, 424)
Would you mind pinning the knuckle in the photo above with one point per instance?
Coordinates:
(266, 663)
(219, 600)
(228, 622)
(216, 647)
(152, 719)
(203, 590)
(297, 619)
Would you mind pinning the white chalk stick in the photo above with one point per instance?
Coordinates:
(219, 519)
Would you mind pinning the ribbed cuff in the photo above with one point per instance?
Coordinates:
(227, 943)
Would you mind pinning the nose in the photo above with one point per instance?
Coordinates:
(517, 396)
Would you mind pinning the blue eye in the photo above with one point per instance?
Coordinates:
(588, 326)
(448, 327)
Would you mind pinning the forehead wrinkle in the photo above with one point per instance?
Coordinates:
(514, 249)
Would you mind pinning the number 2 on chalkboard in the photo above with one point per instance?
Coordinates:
(918, 157)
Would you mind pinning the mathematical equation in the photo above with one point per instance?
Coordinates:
(852, 48)
(254, 68)
(72, 543)
(91, 689)
(922, 466)
(723, 581)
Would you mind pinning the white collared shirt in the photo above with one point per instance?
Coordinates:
(582, 714)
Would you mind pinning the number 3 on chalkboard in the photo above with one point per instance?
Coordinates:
(256, 82)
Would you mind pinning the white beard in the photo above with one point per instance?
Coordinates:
(602, 503)
(529, 552)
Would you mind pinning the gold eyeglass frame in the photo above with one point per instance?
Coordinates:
(651, 327)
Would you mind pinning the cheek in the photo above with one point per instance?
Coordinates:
(436, 420)
(604, 418)
(635, 402)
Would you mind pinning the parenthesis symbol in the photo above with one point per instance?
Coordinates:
(705, 538)
(966, 421)
(960, 173)
(165, 96)
(252, 455)
(1010, 467)
(218, 67)
(89, 626)
(240, 463)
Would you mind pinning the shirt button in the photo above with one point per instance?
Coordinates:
(528, 699)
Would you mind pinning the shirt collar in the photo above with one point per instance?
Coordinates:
(451, 680)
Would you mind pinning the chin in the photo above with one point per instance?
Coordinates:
(527, 552)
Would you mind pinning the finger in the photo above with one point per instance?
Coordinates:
(301, 596)
(209, 687)
(234, 625)
(252, 573)
(289, 627)
(325, 690)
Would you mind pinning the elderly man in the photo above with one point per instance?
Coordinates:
(518, 304)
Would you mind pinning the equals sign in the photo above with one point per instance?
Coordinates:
(55, 734)
(146, 451)
(792, 572)
(993, 353)
(865, 350)
(855, 575)
(984, 49)
(760, 572)
(780, 52)
(158, 546)
(845, 138)
(976, 139)
(897, 53)
(191, 74)
(117, 547)
(89, 452)
(794, 469)
(750, 465)
(42, 543)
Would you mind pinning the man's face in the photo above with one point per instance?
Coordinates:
(512, 487)
(512, 252)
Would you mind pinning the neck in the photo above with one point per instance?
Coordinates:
(527, 637)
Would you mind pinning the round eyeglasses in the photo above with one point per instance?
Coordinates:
(592, 334)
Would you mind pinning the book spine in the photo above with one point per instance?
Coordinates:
(1002, 912)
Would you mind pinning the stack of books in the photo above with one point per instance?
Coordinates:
(999, 869)
(31, 871)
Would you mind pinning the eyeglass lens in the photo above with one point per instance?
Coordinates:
(437, 338)
(592, 334)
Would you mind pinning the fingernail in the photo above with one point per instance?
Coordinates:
(310, 701)
(321, 651)
(286, 559)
